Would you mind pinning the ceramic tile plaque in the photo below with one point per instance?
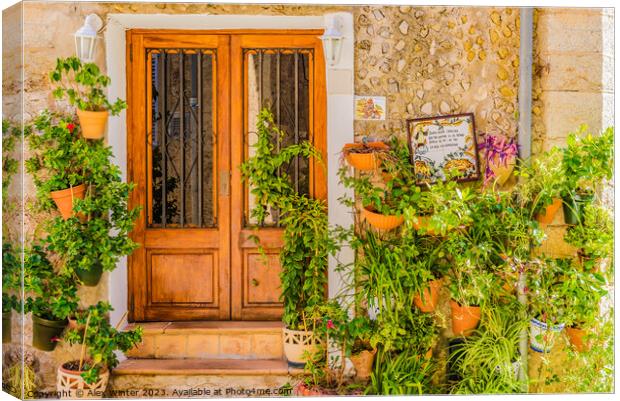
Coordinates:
(443, 144)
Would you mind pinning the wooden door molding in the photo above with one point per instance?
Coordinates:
(177, 273)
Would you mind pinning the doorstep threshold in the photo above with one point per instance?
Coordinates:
(207, 327)
(222, 367)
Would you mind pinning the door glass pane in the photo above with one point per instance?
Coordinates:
(279, 79)
(182, 148)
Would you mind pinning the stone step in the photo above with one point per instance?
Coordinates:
(173, 378)
(209, 340)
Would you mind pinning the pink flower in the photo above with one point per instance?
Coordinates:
(330, 324)
(55, 339)
(71, 127)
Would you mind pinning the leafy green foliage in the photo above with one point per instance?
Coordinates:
(595, 236)
(307, 240)
(582, 292)
(100, 339)
(11, 278)
(404, 373)
(49, 294)
(62, 159)
(486, 361)
(84, 86)
(588, 159)
(542, 180)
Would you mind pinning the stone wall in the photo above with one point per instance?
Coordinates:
(425, 60)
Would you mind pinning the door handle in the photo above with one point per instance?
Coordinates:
(225, 183)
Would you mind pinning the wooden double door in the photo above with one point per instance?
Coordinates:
(193, 101)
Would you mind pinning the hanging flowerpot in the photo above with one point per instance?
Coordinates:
(92, 276)
(71, 385)
(542, 336)
(381, 221)
(574, 207)
(427, 302)
(575, 336)
(93, 123)
(45, 333)
(547, 215)
(464, 318)
(296, 344)
(6, 327)
(363, 363)
(65, 199)
(364, 156)
(502, 169)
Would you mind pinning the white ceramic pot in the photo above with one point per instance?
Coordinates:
(542, 336)
(71, 385)
(298, 343)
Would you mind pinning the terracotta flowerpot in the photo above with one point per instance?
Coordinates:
(542, 335)
(427, 302)
(363, 363)
(549, 212)
(464, 318)
(93, 123)
(65, 199)
(502, 170)
(370, 159)
(6, 327)
(45, 332)
(296, 344)
(575, 336)
(380, 221)
(71, 385)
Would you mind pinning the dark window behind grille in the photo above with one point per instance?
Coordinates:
(279, 79)
(182, 141)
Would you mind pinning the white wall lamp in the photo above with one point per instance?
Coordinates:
(332, 41)
(86, 38)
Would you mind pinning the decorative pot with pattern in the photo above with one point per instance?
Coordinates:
(296, 344)
(542, 335)
(71, 385)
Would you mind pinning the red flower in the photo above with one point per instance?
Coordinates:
(330, 324)
(71, 127)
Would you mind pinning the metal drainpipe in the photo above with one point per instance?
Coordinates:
(525, 147)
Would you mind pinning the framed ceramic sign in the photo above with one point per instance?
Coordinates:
(441, 144)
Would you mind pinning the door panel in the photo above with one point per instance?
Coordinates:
(286, 75)
(178, 154)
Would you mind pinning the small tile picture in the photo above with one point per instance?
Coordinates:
(370, 107)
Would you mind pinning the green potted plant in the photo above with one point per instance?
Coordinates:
(88, 376)
(594, 237)
(361, 345)
(11, 283)
(307, 241)
(51, 298)
(84, 85)
(488, 361)
(90, 247)
(57, 163)
(546, 305)
(541, 185)
(582, 292)
(587, 161)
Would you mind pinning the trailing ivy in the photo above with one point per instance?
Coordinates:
(307, 240)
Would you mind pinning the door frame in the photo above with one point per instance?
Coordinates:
(228, 243)
(340, 96)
